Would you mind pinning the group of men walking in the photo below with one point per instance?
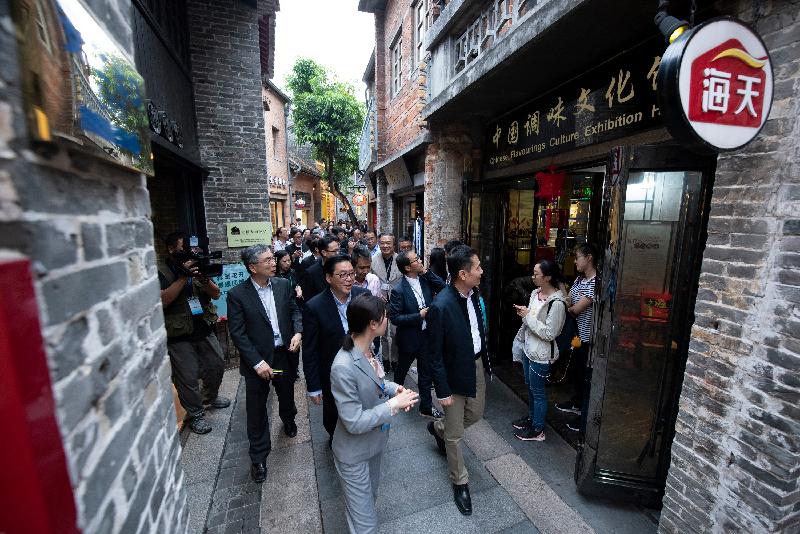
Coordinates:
(440, 325)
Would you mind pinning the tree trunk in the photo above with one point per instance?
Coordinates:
(336, 191)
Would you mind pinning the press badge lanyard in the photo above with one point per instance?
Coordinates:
(194, 302)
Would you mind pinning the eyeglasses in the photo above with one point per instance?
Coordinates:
(417, 260)
(345, 275)
(267, 260)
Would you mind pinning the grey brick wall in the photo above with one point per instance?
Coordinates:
(85, 226)
(226, 71)
(736, 455)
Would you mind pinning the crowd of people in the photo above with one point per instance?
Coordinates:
(362, 305)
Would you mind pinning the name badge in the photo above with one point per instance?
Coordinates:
(195, 306)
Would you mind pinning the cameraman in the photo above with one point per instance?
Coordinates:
(189, 317)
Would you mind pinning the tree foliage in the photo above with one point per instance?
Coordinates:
(327, 116)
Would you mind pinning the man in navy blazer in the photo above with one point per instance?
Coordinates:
(324, 328)
(265, 325)
(408, 306)
(313, 282)
(458, 357)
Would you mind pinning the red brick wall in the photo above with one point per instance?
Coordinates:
(398, 114)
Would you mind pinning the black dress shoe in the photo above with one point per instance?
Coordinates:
(218, 402)
(462, 498)
(290, 428)
(439, 441)
(199, 425)
(258, 472)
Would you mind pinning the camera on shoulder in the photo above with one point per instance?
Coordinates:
(196, 249)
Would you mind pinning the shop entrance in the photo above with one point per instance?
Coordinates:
(646, 211)
(409, 207)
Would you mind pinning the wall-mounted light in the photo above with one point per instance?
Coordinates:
(671, 27)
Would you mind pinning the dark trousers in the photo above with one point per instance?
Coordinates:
(329, 412)
(577, 372)
(403, 364)
(257, 395)
(191, 362)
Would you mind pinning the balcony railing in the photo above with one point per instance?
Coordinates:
(490, 26)
(368, 144)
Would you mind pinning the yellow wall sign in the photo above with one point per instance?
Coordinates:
(244, 234)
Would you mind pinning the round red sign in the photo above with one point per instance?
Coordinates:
(359, 199)
(715, 85)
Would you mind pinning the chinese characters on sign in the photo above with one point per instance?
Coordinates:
(732, 89)
(244, 234)
(232, 275)
(716, 86)
(610, 101)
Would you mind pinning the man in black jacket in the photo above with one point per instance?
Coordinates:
(408, 306)
(314, 282)
(458, 357)
(265, 325)
(325, 325)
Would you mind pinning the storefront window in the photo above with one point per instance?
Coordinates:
(563, 219)
(276, 211)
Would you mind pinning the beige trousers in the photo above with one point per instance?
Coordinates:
(464, 412)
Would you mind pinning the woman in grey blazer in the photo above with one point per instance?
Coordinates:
(366, 404)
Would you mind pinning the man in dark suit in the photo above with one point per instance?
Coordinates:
(325, 325)
(408, 306)
(265, 325)
(314, 281)
(458, 357)
(296, 248)
(312, 258)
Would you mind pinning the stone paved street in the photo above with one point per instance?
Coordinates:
(515, 486)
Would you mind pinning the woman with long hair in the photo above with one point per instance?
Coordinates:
(284, 269)
(438, 262)
(542, 321)
(366, 403)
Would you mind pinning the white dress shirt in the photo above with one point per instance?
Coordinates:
(473, 322)
(416, 288)
(268, 301)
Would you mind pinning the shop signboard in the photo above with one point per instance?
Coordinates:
(80, 87)
(715, 85)
(613, 100)
(244, 234)
(232, 275)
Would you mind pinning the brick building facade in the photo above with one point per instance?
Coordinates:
(276, 136)
(397, 90)
(87, 228)
(724, 454)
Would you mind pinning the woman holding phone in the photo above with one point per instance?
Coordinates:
(542, 321)
(366, 403)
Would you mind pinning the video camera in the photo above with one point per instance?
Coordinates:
(196, 249)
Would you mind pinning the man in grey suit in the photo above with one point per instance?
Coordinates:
(266, 326)
(384, 266)
(366, 403)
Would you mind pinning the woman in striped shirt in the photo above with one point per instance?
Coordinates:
(581, 300)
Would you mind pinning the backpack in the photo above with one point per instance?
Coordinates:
(564, 340)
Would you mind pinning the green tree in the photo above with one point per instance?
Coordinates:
(327, 116)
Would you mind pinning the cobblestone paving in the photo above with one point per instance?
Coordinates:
(235, 506)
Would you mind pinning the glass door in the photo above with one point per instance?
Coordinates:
(654, 219)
